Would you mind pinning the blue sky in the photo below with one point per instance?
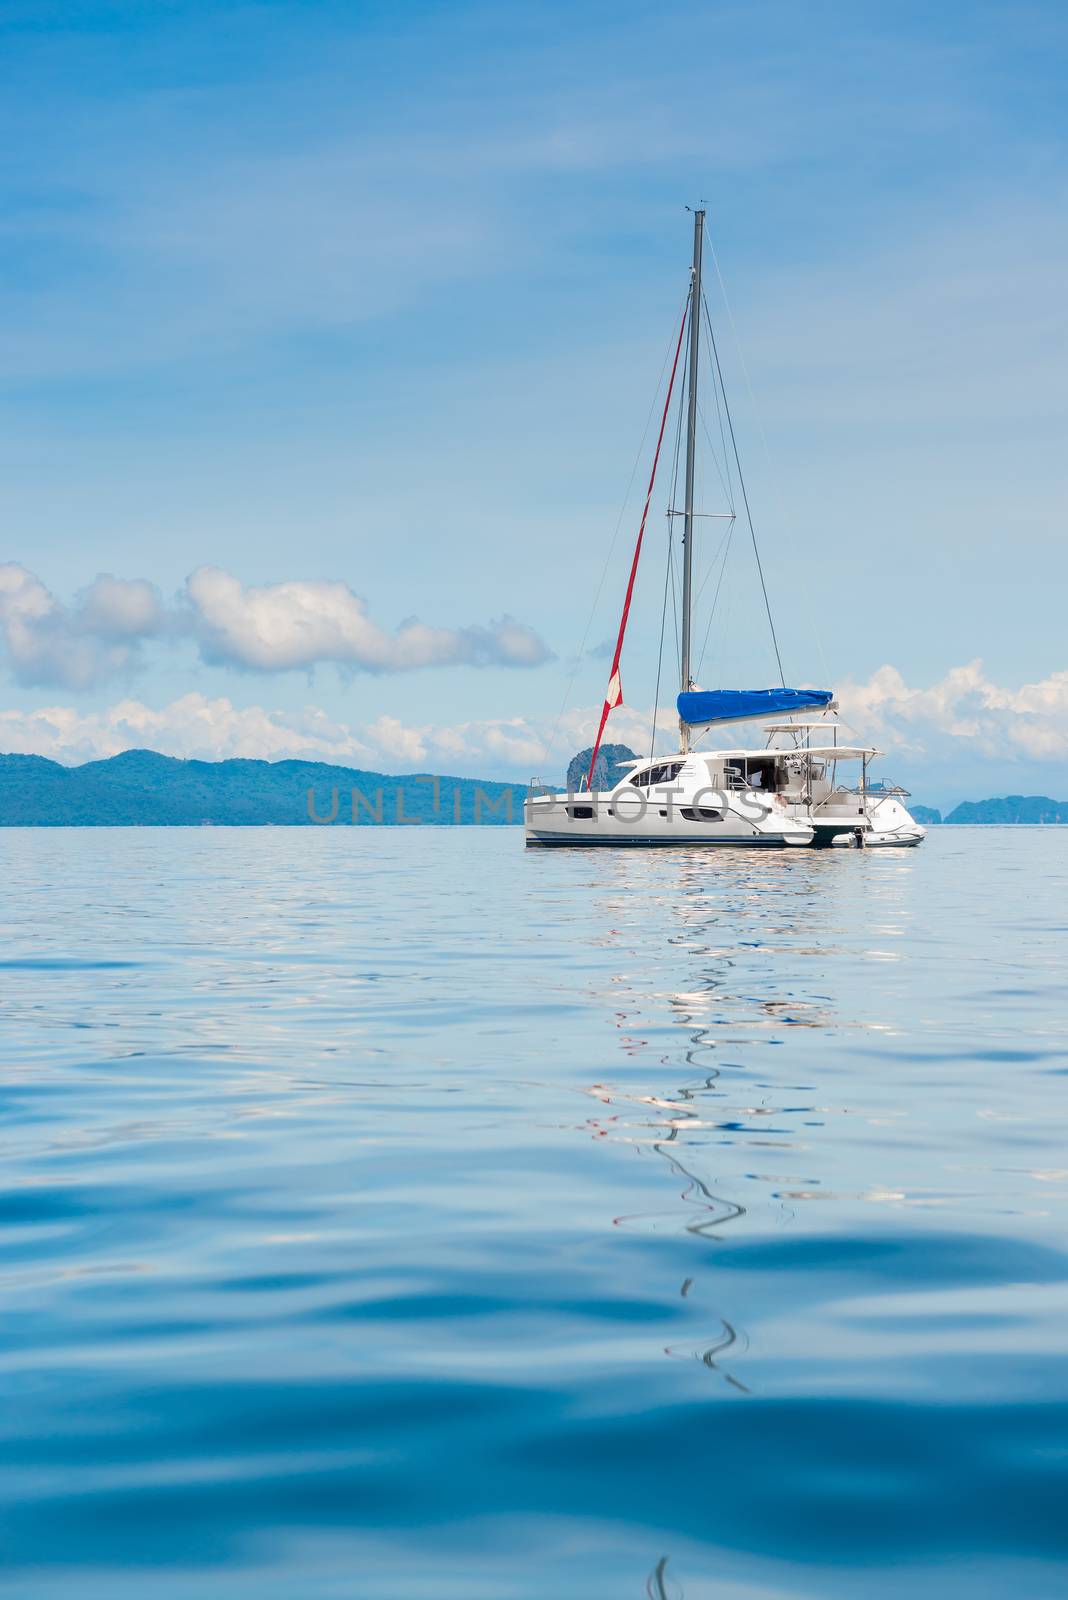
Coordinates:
(329, 295)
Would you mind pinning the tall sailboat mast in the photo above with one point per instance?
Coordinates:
(691, 452)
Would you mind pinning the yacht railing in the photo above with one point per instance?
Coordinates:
(883, 792)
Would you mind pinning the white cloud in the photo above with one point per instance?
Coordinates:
(215, 729)
(270, 628)
(279, 626)
(511, 744)
(962, 717)
(78, 646)
(391, 736)
(121, 608)
(192, 726)
(964, 710)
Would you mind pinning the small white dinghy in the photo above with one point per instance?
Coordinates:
(890, 826)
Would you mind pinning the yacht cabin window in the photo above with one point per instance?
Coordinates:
(666, 772)
(755, 772)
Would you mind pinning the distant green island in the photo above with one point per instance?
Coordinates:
(141, 788)
(1026, 808)
(1029, 809)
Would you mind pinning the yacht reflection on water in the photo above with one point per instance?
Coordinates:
(658, 1586)
(721, 925)
(698, 992)
(715, 1211)
(676, 1124)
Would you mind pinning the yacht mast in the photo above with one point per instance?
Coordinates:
(691, 451)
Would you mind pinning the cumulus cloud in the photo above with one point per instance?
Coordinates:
(512, 744)
(215, 729)
(191, 726)
(80, 645)
(964, 709)
(276, 627)
(963, 715)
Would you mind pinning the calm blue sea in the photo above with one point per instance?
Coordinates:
(397, 1213)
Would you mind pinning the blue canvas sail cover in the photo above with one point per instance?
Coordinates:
(739, 705)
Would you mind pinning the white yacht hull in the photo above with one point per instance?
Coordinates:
(594, 820)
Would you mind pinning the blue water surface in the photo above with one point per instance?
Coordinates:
(397, 1213)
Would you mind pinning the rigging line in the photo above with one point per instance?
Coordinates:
(728, 487)
(675, 607)
(677, 456)
(671, 534)
(708, 630)
(668, 572)
(722, 438)
(611, 550)
(712, 452)
(690, 309)
(712, 565)
(660, 652)
(715, 599)
(745, 497)
(738, 351)
(763, 436)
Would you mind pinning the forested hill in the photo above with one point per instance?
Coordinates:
(142, 788)
(1025, 808)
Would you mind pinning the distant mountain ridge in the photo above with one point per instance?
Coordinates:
(1028, 810)
(141, 788)
(1012, 808)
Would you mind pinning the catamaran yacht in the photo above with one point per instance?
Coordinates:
(788, 793)
(780, 794)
